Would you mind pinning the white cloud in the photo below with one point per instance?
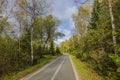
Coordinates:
(69, 12)
(58, 41)
(66, 32)
(66, 14)
(63, 9)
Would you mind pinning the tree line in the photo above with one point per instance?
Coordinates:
(96, 37)
(27, 33)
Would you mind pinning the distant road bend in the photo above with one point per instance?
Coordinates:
(60, 69)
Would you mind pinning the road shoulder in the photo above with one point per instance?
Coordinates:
(75, 71)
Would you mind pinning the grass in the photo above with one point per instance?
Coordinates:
(30, 69)
(84, 72)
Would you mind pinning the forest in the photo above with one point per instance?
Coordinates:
(96, 37)
(27, 33)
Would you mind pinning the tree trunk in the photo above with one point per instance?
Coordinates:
(32, 56)
(113, 26)
(19, 45)
(43, 47)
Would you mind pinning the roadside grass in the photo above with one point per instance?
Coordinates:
(84, 72)
(30, 69)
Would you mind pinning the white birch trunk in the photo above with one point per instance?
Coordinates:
(32, 56)
(113, 26)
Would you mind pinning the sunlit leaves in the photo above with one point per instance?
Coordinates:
(81, 20)
(4, 25)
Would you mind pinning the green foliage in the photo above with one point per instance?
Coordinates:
(115, 59)
(4, 24)
(95, 13)
(8, 55)
(51, 49)
(29, 69)
(58, 50)
(95, 44)
(86, 73)
(15, 50)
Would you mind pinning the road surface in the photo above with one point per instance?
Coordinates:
(59, 69)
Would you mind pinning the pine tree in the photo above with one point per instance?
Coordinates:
(58, 50)
(51, 51)
(95, 14)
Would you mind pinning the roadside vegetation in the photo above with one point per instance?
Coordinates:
(85, 72)
(27, 34)
(29, 69)
(96, 39)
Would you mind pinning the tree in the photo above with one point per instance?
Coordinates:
(96, 46)
(113, 26)
(34, 8)
(81, 20)
(51, 49)
(58, 50)
(95, 15)
(28, 36)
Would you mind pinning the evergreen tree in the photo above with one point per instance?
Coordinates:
(51, 49)
(95, 14)
(58, 50)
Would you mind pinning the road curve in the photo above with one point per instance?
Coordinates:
(59, 69)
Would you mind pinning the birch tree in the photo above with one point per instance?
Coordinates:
(33, 8)
(113, 25)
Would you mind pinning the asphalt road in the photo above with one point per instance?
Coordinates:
(59, 69)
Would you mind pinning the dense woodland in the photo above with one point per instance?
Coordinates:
(27, 33)
(96, 37)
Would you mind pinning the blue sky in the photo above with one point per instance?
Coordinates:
(63, 10)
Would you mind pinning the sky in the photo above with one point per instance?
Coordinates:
(63, 10)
